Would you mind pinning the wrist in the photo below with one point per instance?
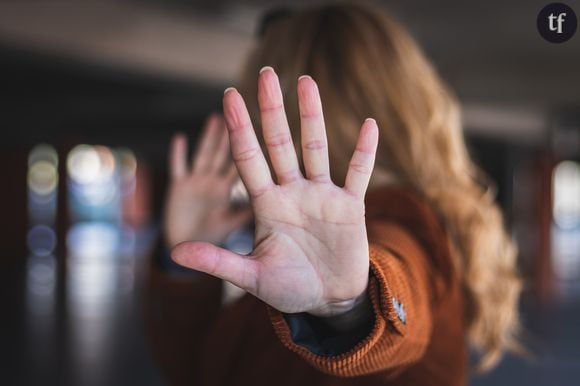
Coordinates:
(337, 308)
(352, 314)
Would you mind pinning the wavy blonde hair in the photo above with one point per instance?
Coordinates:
(367, 65)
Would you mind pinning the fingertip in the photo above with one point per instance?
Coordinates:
(211, 118)
(184, 253)
(177, 155)
(230, 90)
(177, 252)
(213, 121)
(371, 124)
(230, 100)
(267, 72)
(370, 133)
(178, 138)
(308, 96)
(269, 86)
(235, 112)
(305, 82)
(266, 68)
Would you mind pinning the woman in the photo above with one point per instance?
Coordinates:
(345, 286)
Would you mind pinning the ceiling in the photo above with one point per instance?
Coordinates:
(509, 79)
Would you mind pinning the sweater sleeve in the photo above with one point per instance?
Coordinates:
(399, 289)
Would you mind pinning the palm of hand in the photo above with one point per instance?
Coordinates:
(307, 248)
(311, 249)
(195, 213)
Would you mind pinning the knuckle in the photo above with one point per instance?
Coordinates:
(321, 177)
(315, 144)
(279, 140)
(258, 192)
(240, 126)
(288, 176)
(246, 155)
(310, 115)
(271, 108)
(359, 167)
(361, 152)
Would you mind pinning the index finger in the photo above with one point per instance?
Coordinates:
(205, 150)
(246, 150)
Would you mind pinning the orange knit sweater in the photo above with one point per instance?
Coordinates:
(197, 342)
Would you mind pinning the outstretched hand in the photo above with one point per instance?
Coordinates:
(198, 201)
(311, 249)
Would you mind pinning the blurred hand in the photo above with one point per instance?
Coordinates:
(311, 250)
(198, 202)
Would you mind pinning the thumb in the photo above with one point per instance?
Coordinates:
(238, 269)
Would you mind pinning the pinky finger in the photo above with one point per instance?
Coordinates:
(178, 157)
(363, 159)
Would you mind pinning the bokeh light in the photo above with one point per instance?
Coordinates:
(83, 164)
(41, 240)
(42, 181)
(92, 240)
(42, 177)
(128, 163)
(43, 152)
(41, 275)
(566, 190)
(93, 183)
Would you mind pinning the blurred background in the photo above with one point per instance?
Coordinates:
(91, 91)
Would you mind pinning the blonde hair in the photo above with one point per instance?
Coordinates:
(367, 65)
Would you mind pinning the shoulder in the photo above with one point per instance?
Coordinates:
(411, 214)
(406, 207)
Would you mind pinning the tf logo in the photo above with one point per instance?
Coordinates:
(557, 22)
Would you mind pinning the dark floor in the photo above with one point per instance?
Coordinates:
(82, 325)
(553, 339)
(79, 325)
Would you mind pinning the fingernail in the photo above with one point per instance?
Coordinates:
(371, 120)
(227, 90)
(304, 77)
(266, 68)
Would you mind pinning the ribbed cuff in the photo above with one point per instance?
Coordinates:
(350, 363)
